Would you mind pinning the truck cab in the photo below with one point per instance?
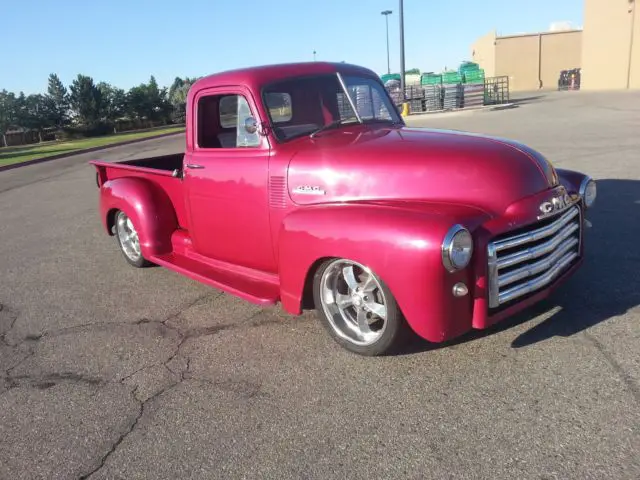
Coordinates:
(301, 184)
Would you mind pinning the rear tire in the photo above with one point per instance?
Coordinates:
(128, 241)
(358, 309)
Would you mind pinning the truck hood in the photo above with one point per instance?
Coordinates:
(367, 163)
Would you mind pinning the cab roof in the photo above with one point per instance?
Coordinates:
(256, 77)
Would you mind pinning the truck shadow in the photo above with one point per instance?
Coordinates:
(607, 285)
(525, 100)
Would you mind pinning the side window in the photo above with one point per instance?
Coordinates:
(221, 122)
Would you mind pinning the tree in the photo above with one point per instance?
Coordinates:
(160, 108)
(137, 103)
(114, 101)
(86, 100)
(177, 83)
(57, 100)
(7, 113)
(178, 97)
(33, 113)
(148, 101)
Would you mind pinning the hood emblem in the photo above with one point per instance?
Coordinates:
(555, 205)
(309, 190)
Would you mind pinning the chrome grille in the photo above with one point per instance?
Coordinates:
(529, 260)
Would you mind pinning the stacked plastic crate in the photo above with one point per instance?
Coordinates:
(473, 78)
(415, 96)
(392, 84)
(452, 86)
(432, 87)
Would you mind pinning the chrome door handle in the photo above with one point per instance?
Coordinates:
(194, 166)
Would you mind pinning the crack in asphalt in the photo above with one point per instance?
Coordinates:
(14, 319)
(180, 378)
(20, 362)
(123, 435)
(613, 363)
(245, 389)
(43, 382)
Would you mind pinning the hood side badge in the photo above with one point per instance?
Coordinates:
(309, 190)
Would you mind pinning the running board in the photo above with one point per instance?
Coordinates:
(253, 290)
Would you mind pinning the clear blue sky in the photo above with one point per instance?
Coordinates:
(123, 42)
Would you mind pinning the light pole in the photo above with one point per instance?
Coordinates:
(386, 14)
(402, 86)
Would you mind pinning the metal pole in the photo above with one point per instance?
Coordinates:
(386, 14)
(402, 85)
(386, 17)
(633, 22)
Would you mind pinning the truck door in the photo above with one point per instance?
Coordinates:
(225, 181)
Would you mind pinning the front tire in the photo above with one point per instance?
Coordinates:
(357, 308)
(127, 236)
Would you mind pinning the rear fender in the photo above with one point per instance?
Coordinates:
(401, 245)
(149, 208)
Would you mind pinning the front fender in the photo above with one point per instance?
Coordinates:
(400, 243)
(149, 208)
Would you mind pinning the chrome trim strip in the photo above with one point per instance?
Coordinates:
(535, 252)
(492, 277)
(540, 266)
(538, 234)
(583, 189)
(583, 185)
(539, 282)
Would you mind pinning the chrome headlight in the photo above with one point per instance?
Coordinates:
(457, 248)
(588, 191)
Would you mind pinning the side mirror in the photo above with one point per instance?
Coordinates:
(250, 125)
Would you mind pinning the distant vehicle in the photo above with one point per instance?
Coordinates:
(301, 184)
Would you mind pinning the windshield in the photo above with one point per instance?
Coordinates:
(302, 105)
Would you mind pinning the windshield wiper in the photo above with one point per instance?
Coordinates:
(380, 120)
(328, 126)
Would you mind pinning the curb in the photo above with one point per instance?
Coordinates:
(84, 150)
(482, 108)
(505, 106)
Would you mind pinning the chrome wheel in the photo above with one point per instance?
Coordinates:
(128, 237)
(353, 302)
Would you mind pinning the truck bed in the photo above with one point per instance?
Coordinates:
(163, 171)
(165, 165)
(165, 162)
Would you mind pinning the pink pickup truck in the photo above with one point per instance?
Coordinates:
(301, 184)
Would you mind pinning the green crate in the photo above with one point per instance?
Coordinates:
(431, 79)
(468, 67)
(390, 76)
(474, 76)
(451, 78)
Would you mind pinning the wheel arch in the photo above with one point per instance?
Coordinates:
(111, 220)
(307, 302)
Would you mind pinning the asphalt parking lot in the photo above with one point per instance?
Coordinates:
(114, 372)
